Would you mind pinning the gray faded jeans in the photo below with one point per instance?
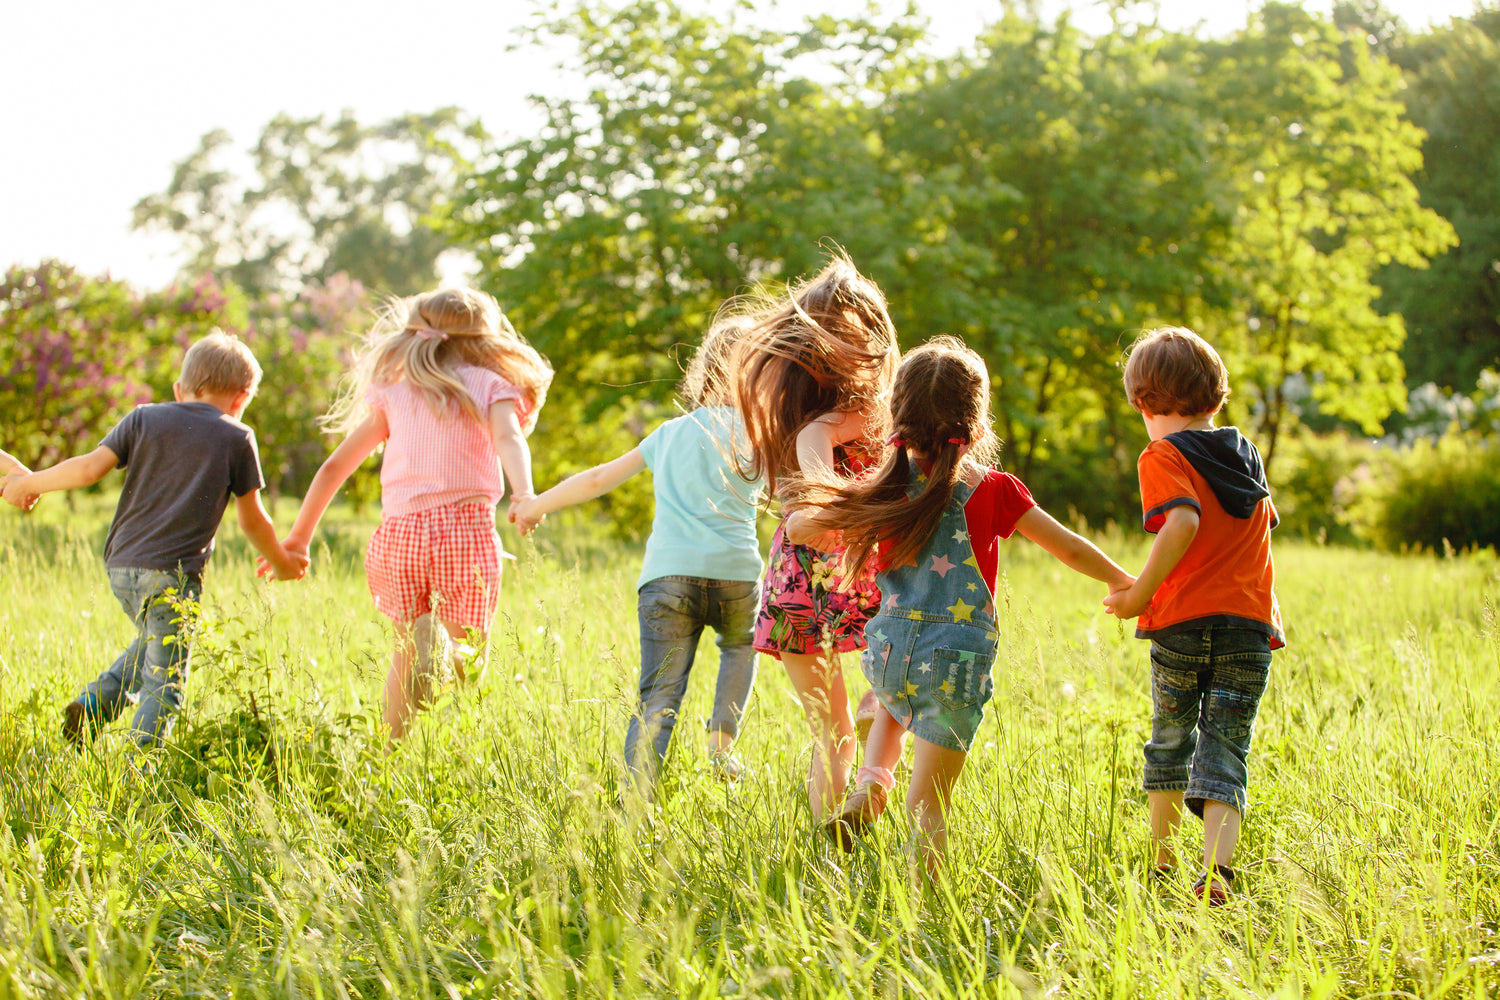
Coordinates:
(155, 664)
(673, 611)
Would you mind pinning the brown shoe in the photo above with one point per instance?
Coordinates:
(860, 812)
(76, 724)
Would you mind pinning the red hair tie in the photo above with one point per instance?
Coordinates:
(958, 441)
(894, 441)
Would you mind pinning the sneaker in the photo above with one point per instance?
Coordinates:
(860, 812)
(1216, 886)
(726, 766)
(77, 727)
(864, 716)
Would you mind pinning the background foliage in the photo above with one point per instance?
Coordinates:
(1314, 193)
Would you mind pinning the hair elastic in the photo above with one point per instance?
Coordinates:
(958, 441)
(430, 333)
(894, 441)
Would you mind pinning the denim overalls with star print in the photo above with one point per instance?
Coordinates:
(931, 649)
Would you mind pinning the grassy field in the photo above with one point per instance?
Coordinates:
(278, 850)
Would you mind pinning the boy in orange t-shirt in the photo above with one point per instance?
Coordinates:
(1204, 597)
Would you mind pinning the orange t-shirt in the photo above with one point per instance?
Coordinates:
(1226, 576)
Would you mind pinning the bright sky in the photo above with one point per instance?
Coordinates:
(105, 97)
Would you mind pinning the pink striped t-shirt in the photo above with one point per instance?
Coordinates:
(431, 461)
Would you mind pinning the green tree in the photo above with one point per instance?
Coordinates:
(1314, 138)
(305, 345)
(326, 196)
(1452, 309)
(1080, 202)
(705, 158)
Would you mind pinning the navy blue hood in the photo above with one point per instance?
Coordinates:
(1230, 464)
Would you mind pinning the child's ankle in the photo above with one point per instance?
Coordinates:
(868, 775)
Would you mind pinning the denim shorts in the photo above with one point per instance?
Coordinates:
(934, 677)
(1206, 685)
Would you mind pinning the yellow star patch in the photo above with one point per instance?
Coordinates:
(911, 689)
(961, 611)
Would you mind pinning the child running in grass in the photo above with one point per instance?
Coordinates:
(811, 377)
(1205, 597)
(447, 385)
(183, 461)
(702, 565)
(930, 519)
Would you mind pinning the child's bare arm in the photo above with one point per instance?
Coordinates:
(70, 474)
(1071, 549)
(11, 466)
(802, 528)
(577, 488)
(336, 468)
(816, 441)
(1172, 542)
(257, 526)
(515, 457)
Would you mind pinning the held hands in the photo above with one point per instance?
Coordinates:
(292, 566)
(1126, 600)
(523, 512)
(15, 492)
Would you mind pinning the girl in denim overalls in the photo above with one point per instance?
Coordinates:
(930, 520)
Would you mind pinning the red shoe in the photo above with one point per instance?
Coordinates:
(860, 812)
(1216, 886)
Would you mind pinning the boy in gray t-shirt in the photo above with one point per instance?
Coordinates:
(182, 462)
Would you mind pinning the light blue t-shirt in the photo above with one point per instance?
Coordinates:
(705, 513)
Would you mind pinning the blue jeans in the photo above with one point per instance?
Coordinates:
(673, 612)
(155, 664)
(1206, 685)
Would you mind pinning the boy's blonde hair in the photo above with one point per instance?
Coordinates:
(219, 364)
(1171, 370)
(424, 338)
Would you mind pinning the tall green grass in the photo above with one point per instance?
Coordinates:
(278, 850)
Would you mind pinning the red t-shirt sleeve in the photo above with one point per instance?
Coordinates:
(1165, 483)
(998, 503)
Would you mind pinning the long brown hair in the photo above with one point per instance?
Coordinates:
(828, 345)
(939, 404)
(422, 339)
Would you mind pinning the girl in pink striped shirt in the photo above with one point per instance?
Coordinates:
(451, 390)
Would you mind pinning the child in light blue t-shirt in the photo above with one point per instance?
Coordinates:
(702, 565)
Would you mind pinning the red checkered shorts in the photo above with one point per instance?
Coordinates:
(443, 559)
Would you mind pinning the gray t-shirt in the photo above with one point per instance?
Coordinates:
(182, 462)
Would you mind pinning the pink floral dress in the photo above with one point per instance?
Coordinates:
(803, 610)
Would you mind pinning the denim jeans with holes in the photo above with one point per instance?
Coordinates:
(1206, 685)
(673, 612)
(155, 664)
